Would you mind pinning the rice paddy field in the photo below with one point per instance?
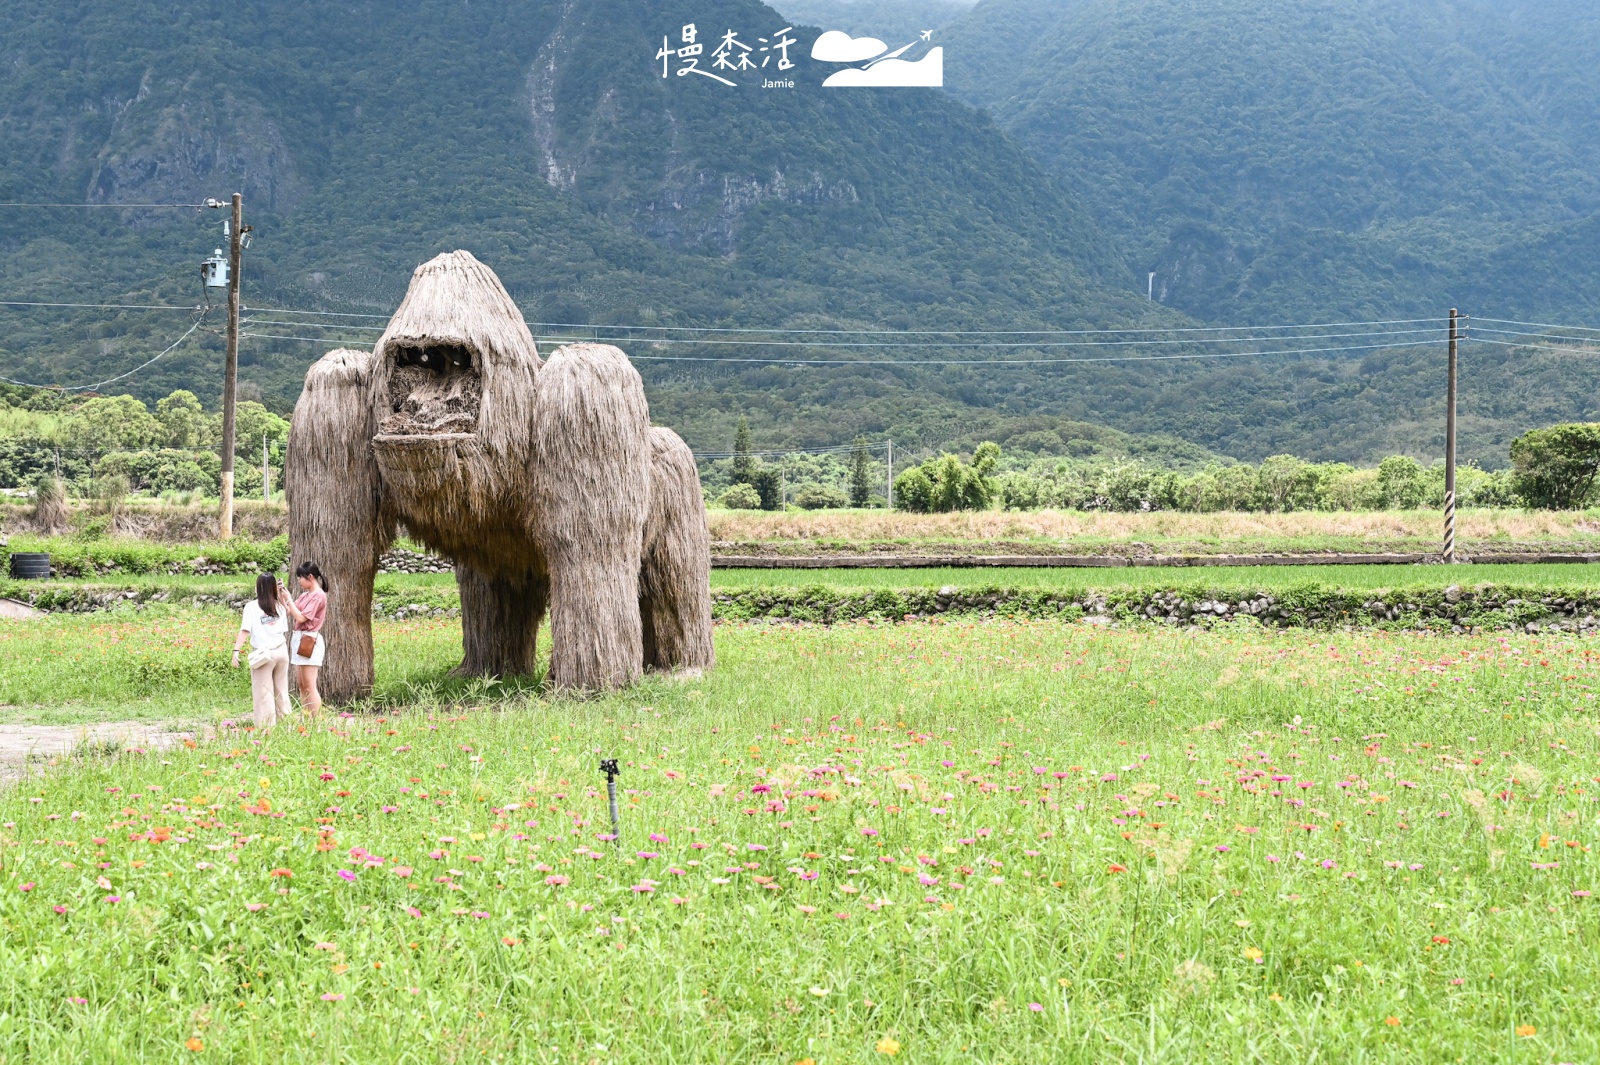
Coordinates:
(993, 841)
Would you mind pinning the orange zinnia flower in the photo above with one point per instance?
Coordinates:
(280, 872)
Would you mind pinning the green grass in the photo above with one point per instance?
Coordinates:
(1104, 800)
(442, 586)
(1219, 578)
(172, 664)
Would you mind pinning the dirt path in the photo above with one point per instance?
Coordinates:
(25, 747)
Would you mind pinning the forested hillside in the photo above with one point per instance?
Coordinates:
(541, 135)
(1275, 160)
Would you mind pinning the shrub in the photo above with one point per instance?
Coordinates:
(50, 512)
(1400, 484)
(1555, 468)
(945, 483)
(913, 491)
(741, 497)
(820, 497)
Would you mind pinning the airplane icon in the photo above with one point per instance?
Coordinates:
(927, 35)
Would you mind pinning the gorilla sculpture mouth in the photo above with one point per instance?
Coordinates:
(434, 390)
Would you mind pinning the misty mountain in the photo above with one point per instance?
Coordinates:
(1275, 160)
(542, 136)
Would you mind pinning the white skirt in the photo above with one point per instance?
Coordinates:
(315, 657)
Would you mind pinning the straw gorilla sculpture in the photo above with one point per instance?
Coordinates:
(544, 482)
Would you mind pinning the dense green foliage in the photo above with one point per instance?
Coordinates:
(176, 449)
(945, 483)
(1281, 483)
(1302, 160)
(1555, 468)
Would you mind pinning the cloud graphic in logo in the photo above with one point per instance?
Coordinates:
(927, 72)
(838, 47)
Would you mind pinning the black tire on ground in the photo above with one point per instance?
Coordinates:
(30, 566)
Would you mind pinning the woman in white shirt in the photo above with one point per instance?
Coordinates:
(268, 629)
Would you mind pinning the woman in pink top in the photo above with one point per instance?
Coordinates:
(307, 645)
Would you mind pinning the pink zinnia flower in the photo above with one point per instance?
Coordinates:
(255, 907)
(26, 887)
(1035, 1007)
(556, 880)
(332, 997)
(345, 874)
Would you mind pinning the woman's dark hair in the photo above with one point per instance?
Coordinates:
(267, 594)
(311, 569)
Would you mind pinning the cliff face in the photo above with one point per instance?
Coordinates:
(171, 140)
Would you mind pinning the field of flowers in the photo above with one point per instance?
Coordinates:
(967, 841)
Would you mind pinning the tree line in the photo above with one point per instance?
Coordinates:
(1553, 468)
(114, 445)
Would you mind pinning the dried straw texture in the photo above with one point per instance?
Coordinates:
(675, 581)
(333, 488)
(450, 494)
(592, 494)
(51, 514)
(500, 619)
(466, 495)
(454, 300)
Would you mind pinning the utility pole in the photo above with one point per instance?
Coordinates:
(230, 373)
(889, 491)
(266, 471)
(1450, 444)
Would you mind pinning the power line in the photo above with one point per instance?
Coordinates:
(914, 344)
(112, 380)
(1536, 347)
(98, 306)
(899, 332)
(988, 344)
(111, 206)
(1539, 325)
(938, 362)
(988, 332)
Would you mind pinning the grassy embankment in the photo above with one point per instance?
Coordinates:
(964, 841)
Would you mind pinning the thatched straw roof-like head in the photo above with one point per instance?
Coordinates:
(456, 302)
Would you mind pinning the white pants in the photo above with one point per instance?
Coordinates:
(269, 688)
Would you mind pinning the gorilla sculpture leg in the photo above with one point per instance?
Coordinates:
(675, 584)
(591, 475)
(500, 619)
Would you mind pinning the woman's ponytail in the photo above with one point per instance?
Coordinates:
(311, 569)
